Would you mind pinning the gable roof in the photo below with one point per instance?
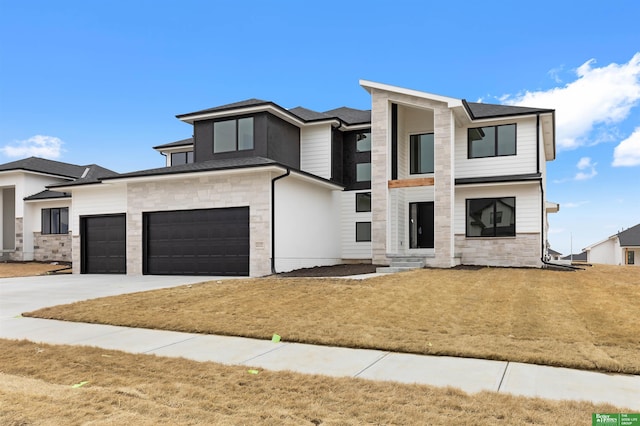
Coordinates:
(49, 167)
(630, 237)
(580, 257)
(481, 110)
(235, 105)
(350, 115)
(308, 114)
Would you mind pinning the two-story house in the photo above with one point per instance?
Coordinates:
(259, 188)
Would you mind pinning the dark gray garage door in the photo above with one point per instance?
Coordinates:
(103, 244)
(197, 242)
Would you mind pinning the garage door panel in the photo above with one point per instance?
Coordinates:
(197, 242)
(103, 241)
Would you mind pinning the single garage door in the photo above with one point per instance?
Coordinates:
(197, 242)
(103, 244)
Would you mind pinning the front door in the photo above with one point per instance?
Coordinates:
(421, 225)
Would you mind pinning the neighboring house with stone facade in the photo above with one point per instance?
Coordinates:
(420, 179)
(622, 248)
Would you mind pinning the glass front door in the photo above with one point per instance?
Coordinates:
(421, 225)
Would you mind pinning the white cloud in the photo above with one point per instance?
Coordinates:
(585, 162)
(627, 153)
(589, 169)
(36, 146)
(598, 97)
(573, 205)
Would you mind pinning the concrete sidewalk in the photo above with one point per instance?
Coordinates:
(471, 375)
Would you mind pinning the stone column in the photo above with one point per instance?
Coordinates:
(380, 154)
(444, 184)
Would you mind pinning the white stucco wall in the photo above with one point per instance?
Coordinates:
(307, 224)
(607, 252)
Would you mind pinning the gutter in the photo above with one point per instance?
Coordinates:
(273, 218)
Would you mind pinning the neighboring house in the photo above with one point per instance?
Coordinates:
(35, 221)
(554, 255)
(260, 188)
(622, 248)
(578, 257)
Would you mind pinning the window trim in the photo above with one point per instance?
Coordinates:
(434, 153)
(496, 143)
(187, 155)
(361, 240)
(48, 211)
(236, 120)
(494, 200)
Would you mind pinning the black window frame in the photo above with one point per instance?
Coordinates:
(360, 195)
(412, 163)
(495, 233)
(52, 224)
(237, 127)
(188, 156)
(363, 239)
(495, 142)
(631, 257)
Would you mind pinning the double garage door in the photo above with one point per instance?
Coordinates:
(183, 242)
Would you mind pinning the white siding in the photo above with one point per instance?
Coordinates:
(307, 225)
(411, 121)
(528, 207)
(524, 162)
(315, 150)
(608, 252)
(96, 200)
(350, 248)
(35, 220)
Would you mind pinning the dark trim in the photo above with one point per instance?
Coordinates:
(235, 119)
(494, 201)
(67, 176)
(356, 200)
(273, 219)
(499, 179)
(394, 141)
(466, 106)
(356, 229)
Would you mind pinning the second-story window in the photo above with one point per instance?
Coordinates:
(492, 141)
(233, 135)
(421, 147)
(178, 158)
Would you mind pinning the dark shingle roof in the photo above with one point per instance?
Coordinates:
(350, 115)
(183, 142)
(581, 257)
(481, 110)
(630, 237)
(48, 195)
(41, 165)
(309, 115)
(91, 174)
(246, 103)
(204, 166)
(553, 252)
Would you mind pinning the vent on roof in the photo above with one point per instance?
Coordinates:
(85, 173)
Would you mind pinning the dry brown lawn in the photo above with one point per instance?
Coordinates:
(36, 388)
(586, 319)
(27, 269)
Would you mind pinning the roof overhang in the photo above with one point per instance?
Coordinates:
(551, 207)
(372, 85)
(548, 124)
(37, 173)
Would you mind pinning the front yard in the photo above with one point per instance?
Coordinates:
(586, 319)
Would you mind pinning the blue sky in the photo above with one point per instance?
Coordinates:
(101, 81)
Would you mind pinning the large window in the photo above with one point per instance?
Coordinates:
(492, 141)
(233, 135)
(363, 142)
(363, 202)
(421, 147)
(491, 217)
(363, 231)
(55, 221)
(178, 158)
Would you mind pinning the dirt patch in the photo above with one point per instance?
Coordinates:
(344, 270)
(10, 269)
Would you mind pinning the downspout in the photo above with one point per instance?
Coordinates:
(273, 218)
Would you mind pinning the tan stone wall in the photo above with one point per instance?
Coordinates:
(18, 254)
(51, 247)
(522, 250)
(380, 124)
(251, 189)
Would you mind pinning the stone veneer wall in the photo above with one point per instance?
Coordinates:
(443, 174)
(51, 247)
(205, 192)
(18, 254)
(523, 250)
